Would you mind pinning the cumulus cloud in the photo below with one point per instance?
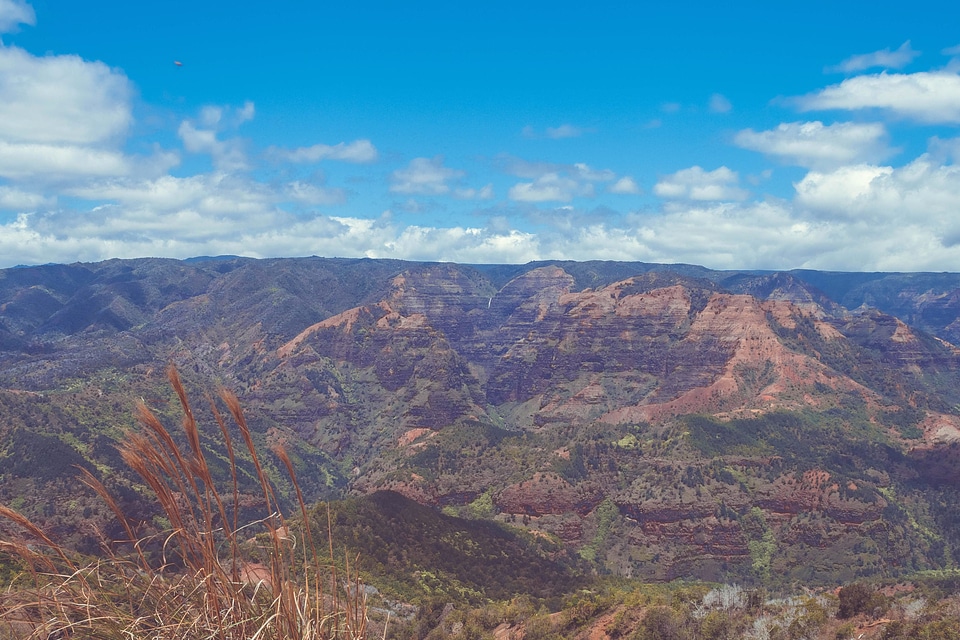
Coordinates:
(424, 176)
(926, 96)
(944, 150)
(857, 217)
(215, 116)
(922, 190)
(524, 168)
(60, 161)
(214, 194)
(884, 58)
(553, 182)
(696, 184)
(815, 145)
(115, 231)
(14, 13)
(65, 119)
(61, 99)
(564, 131)
(227, 155)
(306, 193)
(588, 173)
(719, 104)
(483, 193)
(554, 133)
(625, 185)
(758, 235)
(550, 187)
(358, 151)
(13, 199)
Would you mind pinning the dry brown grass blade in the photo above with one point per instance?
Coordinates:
(231, 532)
(35, 531)
(131, 596)
(278, 564)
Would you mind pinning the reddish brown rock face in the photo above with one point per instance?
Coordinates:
(557, 398)
(547, 494)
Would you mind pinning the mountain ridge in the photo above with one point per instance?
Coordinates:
(660, 420)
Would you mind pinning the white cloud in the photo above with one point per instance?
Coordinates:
(554, 133)
(107, 232)
(227, 155)
(213, 194)
(358, 151)
(525, 169)
(927, 96)
(245, 113)
(884, 58)
(758, 178)
(553, 182)
(944, 150)
(14, 13)
(813, 144)
(696, 184)
(734, 236)
(483, 193)
(215, 116)
(13, 199)
(862, 217)
(64, 119)
(211, 115)
(313, 194)
(585, 172)
(842, 192)
(424, 176)
(197, 140)
(921, 192)
(61, 99)
(27, 160)
(550, 187)
(564, 131)
(719, 104)
(625, 185)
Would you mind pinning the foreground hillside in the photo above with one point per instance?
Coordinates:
(654, 421)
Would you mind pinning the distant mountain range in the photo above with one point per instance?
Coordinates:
(660, 421)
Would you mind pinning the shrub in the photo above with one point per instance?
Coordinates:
(859, 598)
(845, 631)
(663, 623)
(203, 584)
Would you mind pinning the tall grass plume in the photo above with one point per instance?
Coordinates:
(196, 580)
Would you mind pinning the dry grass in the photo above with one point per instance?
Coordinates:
(202, 584)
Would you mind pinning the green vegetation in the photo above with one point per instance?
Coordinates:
(414, 552)
(466, 577)
(606, 514)
(839, 439)
(678, 611)
(761, 542)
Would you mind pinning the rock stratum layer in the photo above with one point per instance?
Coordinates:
(661, 421)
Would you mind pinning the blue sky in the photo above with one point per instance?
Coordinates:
(739, 135)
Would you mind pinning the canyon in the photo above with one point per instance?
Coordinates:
(656, 421)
